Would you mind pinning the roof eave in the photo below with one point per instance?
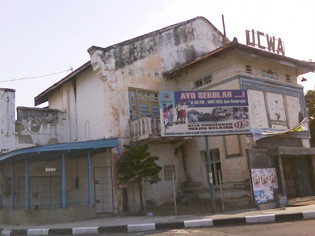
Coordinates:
(307, 66)
(43, 97)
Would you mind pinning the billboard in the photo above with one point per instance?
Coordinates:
(199, 113)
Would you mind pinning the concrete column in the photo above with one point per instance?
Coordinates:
(89, 178)
(112, 179)
(283, 186)
(63, 190)
(27, 194)
(12, 185)
(210, 174)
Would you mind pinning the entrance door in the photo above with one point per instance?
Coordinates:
(305, 177)
(298, 178)
(290, 176)
(103, 190)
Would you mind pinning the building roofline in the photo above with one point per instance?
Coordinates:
(141, 37)
(235, 45)
(43, 97)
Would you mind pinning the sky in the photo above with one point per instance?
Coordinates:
(41, 37)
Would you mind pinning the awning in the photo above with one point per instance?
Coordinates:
(59, 147)
(293, 151)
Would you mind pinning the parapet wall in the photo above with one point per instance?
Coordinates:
(39, 126)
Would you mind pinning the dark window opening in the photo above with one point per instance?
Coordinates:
(215, 164)
(169, 171)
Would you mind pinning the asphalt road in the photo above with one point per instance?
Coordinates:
(296, 228)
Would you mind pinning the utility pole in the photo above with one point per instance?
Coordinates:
(210, 174)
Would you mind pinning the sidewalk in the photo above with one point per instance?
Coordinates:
(148, 223)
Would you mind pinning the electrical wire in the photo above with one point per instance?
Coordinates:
(35, 77)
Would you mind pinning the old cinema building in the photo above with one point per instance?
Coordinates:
(60, 160)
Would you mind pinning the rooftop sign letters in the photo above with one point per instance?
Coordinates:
(264, 42)
(199, 113)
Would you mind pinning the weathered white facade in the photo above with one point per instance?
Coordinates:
(97, 100)
(114, 96)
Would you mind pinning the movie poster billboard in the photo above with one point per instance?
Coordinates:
(264, 183)
(199, 113)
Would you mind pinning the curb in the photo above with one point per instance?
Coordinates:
(130, 228)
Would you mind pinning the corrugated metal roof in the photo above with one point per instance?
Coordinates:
(59, 147)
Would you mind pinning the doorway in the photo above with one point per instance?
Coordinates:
(298, 176)
(103, 191)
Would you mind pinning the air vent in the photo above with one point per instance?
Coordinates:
(248, 69)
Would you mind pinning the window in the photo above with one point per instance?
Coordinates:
(215, 165)
(288, 78)
(203, 81)
(248, 69)
(198, 83)
(169, 171)
(143, 103)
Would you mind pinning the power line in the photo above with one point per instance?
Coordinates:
(35, 77)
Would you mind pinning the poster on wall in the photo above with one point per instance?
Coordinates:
(264, 183)
(199, 113)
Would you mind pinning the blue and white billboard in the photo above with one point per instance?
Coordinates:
(199, 113)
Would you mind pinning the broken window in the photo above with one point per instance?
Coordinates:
(215, 164)
(203, 81)
(143, 103)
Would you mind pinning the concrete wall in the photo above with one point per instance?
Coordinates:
(47, 216)
(168, 156)
(39, 126)
(7, 117)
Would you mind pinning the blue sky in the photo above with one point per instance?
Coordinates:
(40, 37)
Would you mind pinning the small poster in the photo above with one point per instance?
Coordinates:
(264, 183)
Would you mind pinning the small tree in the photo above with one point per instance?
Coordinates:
(135, 165)
(310, 107)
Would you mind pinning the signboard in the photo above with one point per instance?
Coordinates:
(264, 183)
(199, 113)
(264, 42)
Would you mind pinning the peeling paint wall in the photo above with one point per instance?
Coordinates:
(140, 62)
(39, 126)
(166, 153)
